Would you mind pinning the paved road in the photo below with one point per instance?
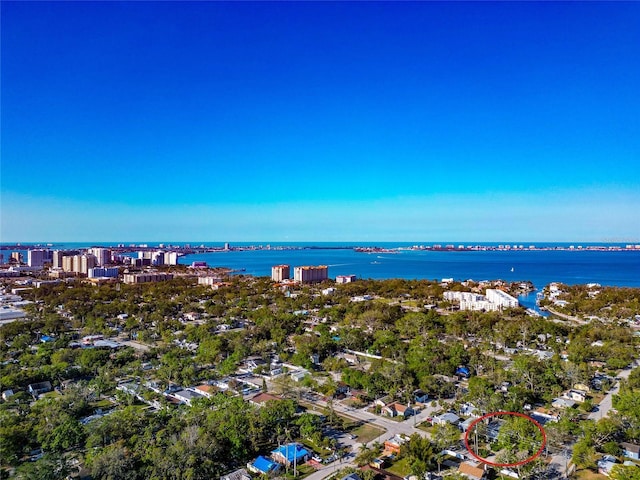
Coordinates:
(607, 402)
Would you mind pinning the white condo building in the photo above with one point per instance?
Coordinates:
(501, 298)
(494, 300)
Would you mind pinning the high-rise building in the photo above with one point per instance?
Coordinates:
(87, 261)
(171, 258)
(56, 258)
(67, 263)
(311, 274)
(37, 258)
(280, 273)
(157, 258)
(103, 255)
(16, 257)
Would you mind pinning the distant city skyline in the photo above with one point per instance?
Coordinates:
(330, 121)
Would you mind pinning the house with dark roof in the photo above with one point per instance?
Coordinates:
(630, 450)
(39, 388)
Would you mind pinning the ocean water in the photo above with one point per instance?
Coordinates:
(540, 267)
(614, 268)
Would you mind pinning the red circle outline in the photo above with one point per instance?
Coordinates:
(495, 414)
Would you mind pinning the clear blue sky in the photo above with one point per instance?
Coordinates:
(320, 121)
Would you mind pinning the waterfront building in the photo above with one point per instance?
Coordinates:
(157, 258)
(280, 273)
(500, 298)
(171, 258)
(345, 278)
(311, 274)
(16, 257)
(495, 300)
(131, 278)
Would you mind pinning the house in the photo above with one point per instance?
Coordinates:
(542, 416)
(630, 450)
(298, 375)
(351, 476)
(445, 418)
(563, 403)
(260, 399)
(206, 390)
(39, 388)
(240, 474)
(393, 445)
(291, 453)
(469, 409)
(263, 466)
(420, 397)
(464, 426)
(606, 465)
(471, 470)
(397, 409)
(576, 395)
(187, 396)
(493, 429)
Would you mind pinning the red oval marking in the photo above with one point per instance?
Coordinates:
(495, 414)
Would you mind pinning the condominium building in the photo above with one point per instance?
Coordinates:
(103, 255)
(345, 278)
(157, 258)
(171, 258)
(37, 258)
(87, 261)
(146, 277)
(311, 274)
(494, 300)
(98, 272)
(503, 299)
(56, 258)
(280, 273)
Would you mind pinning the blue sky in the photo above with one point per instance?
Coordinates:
(212, 121)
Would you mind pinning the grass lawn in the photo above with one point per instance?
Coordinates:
(400, 468)
(588, 475)
(367, 433)
(102, 403)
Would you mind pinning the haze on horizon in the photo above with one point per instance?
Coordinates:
(329, 121)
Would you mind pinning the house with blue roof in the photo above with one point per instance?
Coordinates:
(263, 466)
(290, 453)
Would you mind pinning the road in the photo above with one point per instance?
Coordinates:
(607, 402)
